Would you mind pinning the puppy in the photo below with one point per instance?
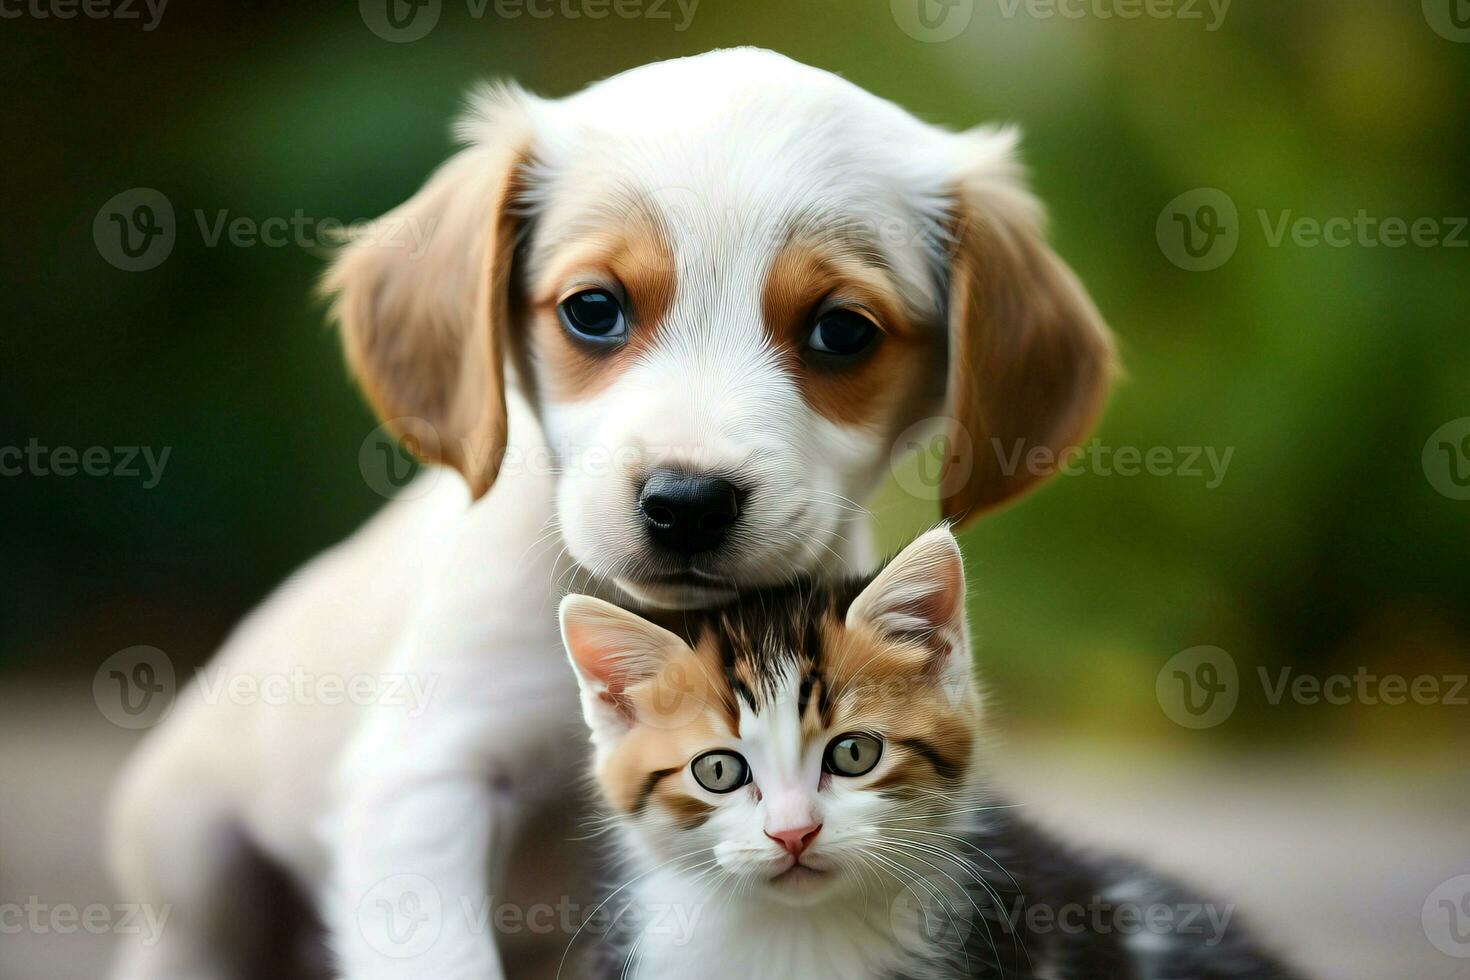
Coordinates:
(667, 331)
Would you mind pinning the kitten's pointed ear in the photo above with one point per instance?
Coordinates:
(920, 595)
(611, 650)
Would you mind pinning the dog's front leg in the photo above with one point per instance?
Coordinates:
(428, 812)
(411, 871)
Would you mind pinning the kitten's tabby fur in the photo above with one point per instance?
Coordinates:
(922, 872)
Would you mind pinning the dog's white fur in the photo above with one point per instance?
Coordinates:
(735, 150)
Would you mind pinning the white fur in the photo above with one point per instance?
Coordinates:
(346, 798)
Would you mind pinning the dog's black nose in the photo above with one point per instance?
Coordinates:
(688, 513)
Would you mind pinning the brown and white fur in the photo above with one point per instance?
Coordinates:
(807, 860)
(727, 200)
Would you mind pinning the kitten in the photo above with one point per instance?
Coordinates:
(799, 792)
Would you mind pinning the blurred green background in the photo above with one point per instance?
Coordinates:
(1325, 369)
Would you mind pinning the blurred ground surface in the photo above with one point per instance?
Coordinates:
(1333, 863)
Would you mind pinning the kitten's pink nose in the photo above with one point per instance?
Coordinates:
(797, 839)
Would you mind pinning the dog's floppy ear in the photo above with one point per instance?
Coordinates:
(422, 296)
(1030, 357)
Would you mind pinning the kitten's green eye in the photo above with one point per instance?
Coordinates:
(720, 771)
(854, 754)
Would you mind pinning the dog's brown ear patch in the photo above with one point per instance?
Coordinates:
(423, 299)
(1030, 357)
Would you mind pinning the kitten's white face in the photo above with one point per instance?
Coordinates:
(797, 738)
(808, 799)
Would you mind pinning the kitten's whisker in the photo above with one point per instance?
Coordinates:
(976, 809)
(970, 844)
(914, 854)
(888, 826)
(965, 866)
(548, 532)
(974, 872)
(842, 502)
(632, 902)
(979, 913)
(633, 952)
(571, 942)
(933, 890)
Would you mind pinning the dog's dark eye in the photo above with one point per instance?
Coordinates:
(595, 315)
(720, 771)
(853, 755)
(842, 333)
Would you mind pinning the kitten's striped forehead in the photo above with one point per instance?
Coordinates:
(774, 637)
(785, 674)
